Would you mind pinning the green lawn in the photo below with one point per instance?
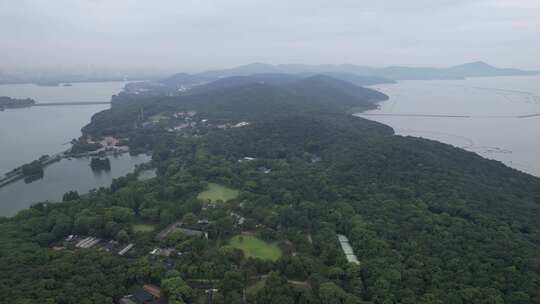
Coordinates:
(217, 192)
(143, 228)
(157, 118)
(255, 248)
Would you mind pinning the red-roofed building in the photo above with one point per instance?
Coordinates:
(153, 290)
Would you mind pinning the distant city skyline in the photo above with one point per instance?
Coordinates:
(197, 35)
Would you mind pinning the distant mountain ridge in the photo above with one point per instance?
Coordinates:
(356, 74)
(481, 68)
(286, 71)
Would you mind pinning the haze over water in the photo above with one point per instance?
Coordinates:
(492, 128)
(77, 92)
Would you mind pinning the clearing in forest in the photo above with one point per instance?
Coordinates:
(140, 227)
(216, 192)
(157, 118)
(255, 248)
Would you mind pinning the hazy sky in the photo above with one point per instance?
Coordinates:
(200, 34)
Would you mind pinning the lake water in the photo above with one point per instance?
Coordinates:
(488, 114)
(26, 134)
(61, 177)
(77, 92)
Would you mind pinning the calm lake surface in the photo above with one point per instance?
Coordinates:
(77, 92)
(26, 134)
(61, 177)
(491, 126)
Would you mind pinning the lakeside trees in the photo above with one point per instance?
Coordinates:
(32, 169)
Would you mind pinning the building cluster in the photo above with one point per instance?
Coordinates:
(246, 158)
(107, 145)
(148, 294)
(231, 125)
(347, 249)
(187, 123)
(185, 114)
(164, 252)
(240, 220)
(179, 226)
(88, 242)
(264, 170)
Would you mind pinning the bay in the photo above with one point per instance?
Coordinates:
(26, 134)
(59, 178)
(487, 116)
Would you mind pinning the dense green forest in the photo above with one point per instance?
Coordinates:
(428, 222)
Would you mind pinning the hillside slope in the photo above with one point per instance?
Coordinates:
(424, 217)
(240, 98)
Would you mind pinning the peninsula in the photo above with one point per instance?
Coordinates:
(267, 192)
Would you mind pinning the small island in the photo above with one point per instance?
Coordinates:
(99, 164)
(32, 171)
(14, 103)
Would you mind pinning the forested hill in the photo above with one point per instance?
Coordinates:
(239, 99)
(295, 135)
(364, 155)
(257, 187)
(227, 82)
(305, 88)
(256, 98)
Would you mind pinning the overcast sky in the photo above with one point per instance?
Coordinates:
(200, 34)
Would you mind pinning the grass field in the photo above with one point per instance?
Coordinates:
(143, 228)
(217, 192)
(255, 248)
(157, 118)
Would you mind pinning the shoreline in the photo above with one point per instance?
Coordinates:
(16, 174)
(516, 114)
